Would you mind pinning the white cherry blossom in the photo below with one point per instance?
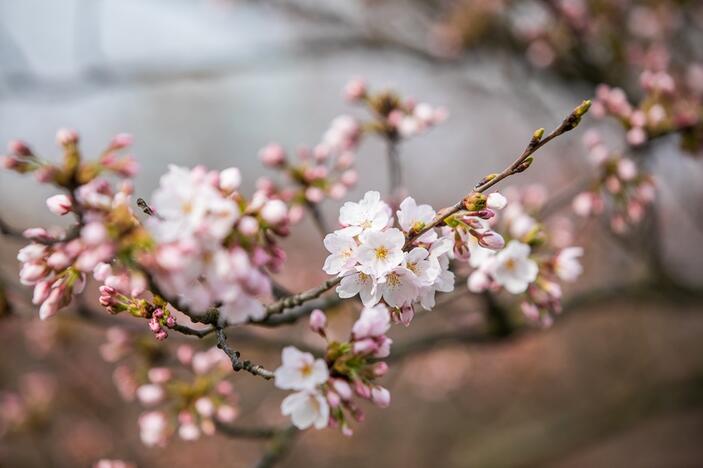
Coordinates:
(300, 371)
(513, 269)
(370, 214)
(412, 216)
(567, 265)
(382, 251)
(342, 248)
(306, 409)
(361, 283)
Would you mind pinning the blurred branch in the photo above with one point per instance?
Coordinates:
(318, 218)
(9, 231)
(245, 432)
(279, 448)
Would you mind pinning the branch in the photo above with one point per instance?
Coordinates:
(519, 165)
(200, 333)
(395, 172)
(245, 432)
(280, 445)
(9, 231)
(237, 364)
(318, 218)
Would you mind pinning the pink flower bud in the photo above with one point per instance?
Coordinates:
(355, 90)
(318, 321)
(59, 204)
(314, 194)
(343, 389)
(121, 140)
(226, 413)
(102, 271)
(161, 335)
(230, 179)
(365, 346)
(296, 214)
(159, 375)
(361, 389)
(154, 325)
(272, 155)
(65, 137)
(496, 201)
(94, 233)
(530, 311)
(381, 397)
(248, 226)
(274, 212)
(150, 394)
(491, 240)
(204, 407)
(349, 177)
(380, 369)
(627, 169)
(41, 292)
(19, 147)
(333, 399)
(636, 136)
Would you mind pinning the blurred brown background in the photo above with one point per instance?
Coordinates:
(618, 381)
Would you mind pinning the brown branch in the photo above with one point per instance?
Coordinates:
(279, 448)
(246, 432)
(519, 165)
(237, 363)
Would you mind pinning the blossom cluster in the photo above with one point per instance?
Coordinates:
(325, 388)
(212, 244)
(534, 261)
(394, 117)
(325, 170)
(669, 105)
(57, 261)
(621, 186)
(368, 253)
(187, 398)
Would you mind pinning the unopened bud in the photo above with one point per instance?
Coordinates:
(475, 202)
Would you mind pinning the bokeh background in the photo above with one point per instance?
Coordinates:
(618, 381)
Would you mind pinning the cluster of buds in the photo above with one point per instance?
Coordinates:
(573, 36)
(57, 261)
(668, 105)
(326, 170)
(394, 117)
(534, 261)
(325, 388)
(620, 184)
(187, 398)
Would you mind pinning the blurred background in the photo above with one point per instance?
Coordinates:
(617, 381)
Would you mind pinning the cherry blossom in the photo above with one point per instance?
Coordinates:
(300, 371)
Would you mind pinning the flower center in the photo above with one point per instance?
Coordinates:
(186, 207)
(381, 252)
(412, 267)
(306, 370)
(393, 279)
(510, 264)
